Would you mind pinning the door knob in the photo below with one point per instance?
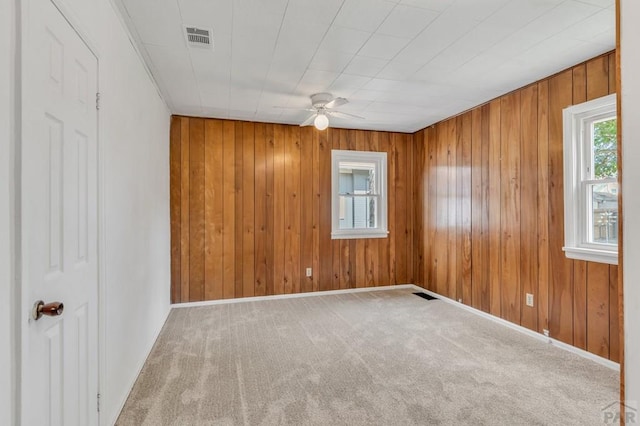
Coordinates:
(52, 309)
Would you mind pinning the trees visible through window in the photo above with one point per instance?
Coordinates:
(602, 184)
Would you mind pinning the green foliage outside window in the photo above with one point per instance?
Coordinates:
(605, 149)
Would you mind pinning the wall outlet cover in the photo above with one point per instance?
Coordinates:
(529, 299)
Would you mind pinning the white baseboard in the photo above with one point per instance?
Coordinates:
(291, 296)
(582, 353)
(138, 370)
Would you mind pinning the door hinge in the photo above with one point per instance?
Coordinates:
(98, 399)
(97, 100)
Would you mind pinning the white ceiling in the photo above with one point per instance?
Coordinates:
(402, 64)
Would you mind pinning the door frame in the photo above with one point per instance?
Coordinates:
(9, 266)
(21, 287)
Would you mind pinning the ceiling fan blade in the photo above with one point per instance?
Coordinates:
(346, 115)
(295, 109)
(336, 103)
(309, 120)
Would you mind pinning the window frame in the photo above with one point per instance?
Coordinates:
(380, 161)
(577, 121)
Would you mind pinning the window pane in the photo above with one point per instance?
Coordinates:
(359, 212)
(357, 178)
(605, 149)
(604, 213)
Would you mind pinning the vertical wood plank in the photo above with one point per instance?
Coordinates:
(442, 220)
(452, 198)
(580, 304)
(580, 267)
(614, 312)
(326, 256)
(307, 135)
(485, 293)
(478, 265)
(184, 210)
(511, 203)
(598, 309)
(175, 194)
(401, 208)
(410, 207)
(392, 171)
(579, 83)
(213, 272)
(292, 210)
(494, 208)
(529, 208)
(612, 73)
(561, 269)
(229, 209)
(422, 219)
(316, 211)
(464, 167)
(260, 189)
(196, 209)
(419, 191)
(279, 205)
(270, 208)
(458, 203)
(239, 207)
(248, 209)
(543, 206)
(597, 77)
(434, 208)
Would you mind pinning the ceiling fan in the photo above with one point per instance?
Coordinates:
(322, 107)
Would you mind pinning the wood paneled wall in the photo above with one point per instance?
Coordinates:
(251, 210)
(489, 213)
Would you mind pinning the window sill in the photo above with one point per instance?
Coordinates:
(591, 255)
(354, 234)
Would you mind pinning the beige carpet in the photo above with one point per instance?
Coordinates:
(373, 358)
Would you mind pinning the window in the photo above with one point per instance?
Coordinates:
(591, 181)
(358, 202)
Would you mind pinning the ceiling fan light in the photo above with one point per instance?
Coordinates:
(321, 122)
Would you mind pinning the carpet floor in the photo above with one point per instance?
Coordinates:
(370, 358)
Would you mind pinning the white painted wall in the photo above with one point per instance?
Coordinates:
(7, 38)
(630, 69)
(135, 138)
(135, 247)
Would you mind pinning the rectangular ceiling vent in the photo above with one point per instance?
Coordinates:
(199, 37)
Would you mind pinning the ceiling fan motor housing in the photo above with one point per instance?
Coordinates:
(319, 100)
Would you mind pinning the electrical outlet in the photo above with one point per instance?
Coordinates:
(546, 332)
(530, 299)
(308, 272)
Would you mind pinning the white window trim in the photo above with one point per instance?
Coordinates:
(574, 215)
(380, 159)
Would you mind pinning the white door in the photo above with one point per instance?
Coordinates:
(58, 220)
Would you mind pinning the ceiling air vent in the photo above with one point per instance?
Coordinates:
(199, 37)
